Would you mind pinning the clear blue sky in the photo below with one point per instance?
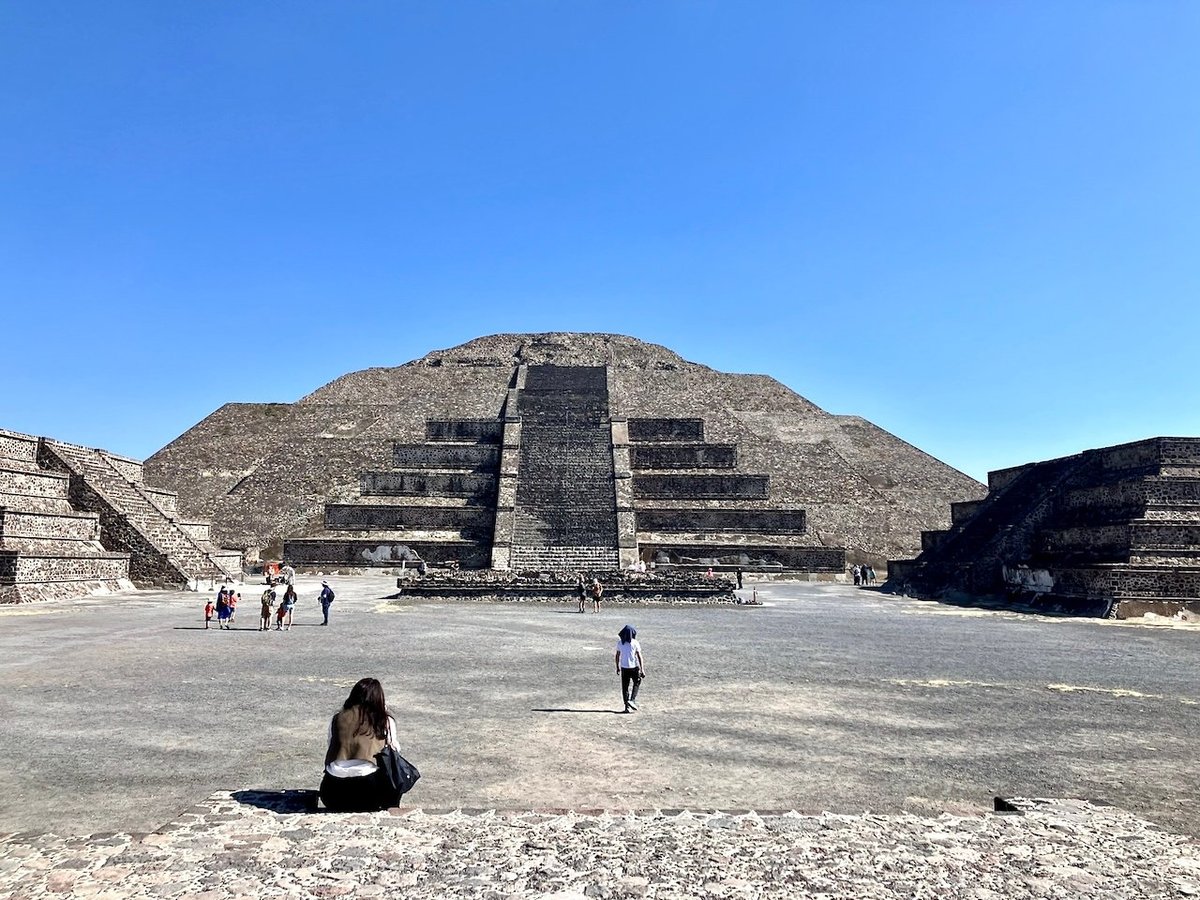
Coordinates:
(976, 224)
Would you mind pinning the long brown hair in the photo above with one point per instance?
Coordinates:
(367, 695)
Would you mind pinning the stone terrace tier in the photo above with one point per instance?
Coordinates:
(669, 586)
(48, 549)
(556, 484)
(74, 520)
(1114, 531)
(449, 486)
(687, 515)
(137, 519)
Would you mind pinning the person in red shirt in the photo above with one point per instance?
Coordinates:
(208, 613)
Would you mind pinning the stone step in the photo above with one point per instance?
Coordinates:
(432, 484)
(351, 551)
(81, 564)
(773, 521)
(17, 448)
(649, 430)
(110, 477)
(466, 457)
(783, 556)
(1103, 543)
(47, 505)
(464, 431)
(565, 495)
(351, 516)
(683, 456)
(700, 487)
(54, 526)
(565, 558)
(27, 483)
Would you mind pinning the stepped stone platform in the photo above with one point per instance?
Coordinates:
(75, 520)
(587, 451)
(49, 548)
(253, 844)
(1108, 532)
(557, 587)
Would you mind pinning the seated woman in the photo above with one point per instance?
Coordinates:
(353, 782)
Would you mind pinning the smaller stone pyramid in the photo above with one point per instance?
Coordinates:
(1107, 532)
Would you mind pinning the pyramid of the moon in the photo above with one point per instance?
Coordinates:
(558, 451)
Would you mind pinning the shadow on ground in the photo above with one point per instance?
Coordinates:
(302, 801)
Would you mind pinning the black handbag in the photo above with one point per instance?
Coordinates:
(401, 774)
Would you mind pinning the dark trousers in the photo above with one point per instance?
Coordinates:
(363, 794)
(325, 613)
(630, 677)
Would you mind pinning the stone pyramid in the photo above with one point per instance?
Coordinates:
(558, 450)
(1113, 531)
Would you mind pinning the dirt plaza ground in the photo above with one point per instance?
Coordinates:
(118, 712)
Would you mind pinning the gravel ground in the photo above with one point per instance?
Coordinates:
(118, 712)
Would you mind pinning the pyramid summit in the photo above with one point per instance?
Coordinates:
(559, 450)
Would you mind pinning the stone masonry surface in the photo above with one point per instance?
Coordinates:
(861, 488)
(253, 844)
(1113, 531)
(48, 548)
(565, 513)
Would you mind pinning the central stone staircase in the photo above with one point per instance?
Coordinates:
(565, 512)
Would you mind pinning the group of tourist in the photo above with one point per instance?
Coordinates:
(364, 770)
(863, 575)
(595, 590)
(283, 616)
(224, 607)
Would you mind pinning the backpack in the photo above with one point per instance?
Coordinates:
(328, 595)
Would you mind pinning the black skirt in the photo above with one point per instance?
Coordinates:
(364, 793)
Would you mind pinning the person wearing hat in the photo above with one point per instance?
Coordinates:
(325, 599)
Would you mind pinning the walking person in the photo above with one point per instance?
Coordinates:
(222, 610)
(325, 599)
(597, 593)
(209, 609)
(630, 666)
(581, 589)
(739, 577)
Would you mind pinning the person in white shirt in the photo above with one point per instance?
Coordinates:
(630, 666)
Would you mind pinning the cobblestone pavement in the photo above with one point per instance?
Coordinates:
(253, 844)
